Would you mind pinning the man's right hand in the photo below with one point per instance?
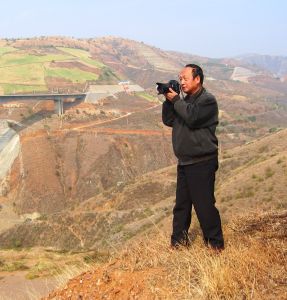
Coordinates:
(170, 95)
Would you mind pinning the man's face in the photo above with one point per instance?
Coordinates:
(189, 84)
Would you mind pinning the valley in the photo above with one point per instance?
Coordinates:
(84, 185)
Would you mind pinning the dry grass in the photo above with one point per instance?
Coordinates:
(253, 266)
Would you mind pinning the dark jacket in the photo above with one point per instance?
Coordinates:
(193, 121)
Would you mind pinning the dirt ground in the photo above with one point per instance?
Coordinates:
(15, 286)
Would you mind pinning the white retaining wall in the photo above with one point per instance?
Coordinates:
(9, 150)
(98, 92)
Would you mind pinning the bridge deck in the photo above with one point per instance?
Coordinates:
(57, 98)
(40, 97)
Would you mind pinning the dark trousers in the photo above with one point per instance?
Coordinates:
(195, 187)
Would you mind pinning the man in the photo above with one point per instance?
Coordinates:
(193, 121)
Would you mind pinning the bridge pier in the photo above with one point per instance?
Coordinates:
(57, 98)
(59, 106)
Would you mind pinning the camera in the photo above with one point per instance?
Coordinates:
(163, 88)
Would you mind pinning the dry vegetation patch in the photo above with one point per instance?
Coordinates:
(253, 266)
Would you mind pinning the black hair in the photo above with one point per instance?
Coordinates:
(196, 71)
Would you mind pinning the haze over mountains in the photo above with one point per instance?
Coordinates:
(277, 65)
(104, 172)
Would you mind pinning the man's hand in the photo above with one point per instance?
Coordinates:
(170, 95)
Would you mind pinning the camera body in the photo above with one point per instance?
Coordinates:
(163, 88)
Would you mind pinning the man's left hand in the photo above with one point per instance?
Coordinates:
(170, 95)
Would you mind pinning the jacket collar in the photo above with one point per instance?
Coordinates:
(196, 95)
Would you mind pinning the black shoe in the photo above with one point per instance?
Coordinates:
(177, 244)
(180, 240)
(214, 244)
(216, 248)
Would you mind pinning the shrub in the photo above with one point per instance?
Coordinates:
(269, 172)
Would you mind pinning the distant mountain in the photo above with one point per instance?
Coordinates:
(61, 63)
(275, 64)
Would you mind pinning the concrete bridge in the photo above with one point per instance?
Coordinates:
(57, 98)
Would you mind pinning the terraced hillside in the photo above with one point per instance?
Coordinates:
(49, 69)
(156, 59)
(242, 74)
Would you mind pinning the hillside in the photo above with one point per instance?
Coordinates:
(252, 266)
(277, 65)
(51, 69)
(98, 147)
(251, 178)
(55, 63)
(103, 174)
(108, 57)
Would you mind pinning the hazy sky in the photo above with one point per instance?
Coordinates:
(214, 28)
